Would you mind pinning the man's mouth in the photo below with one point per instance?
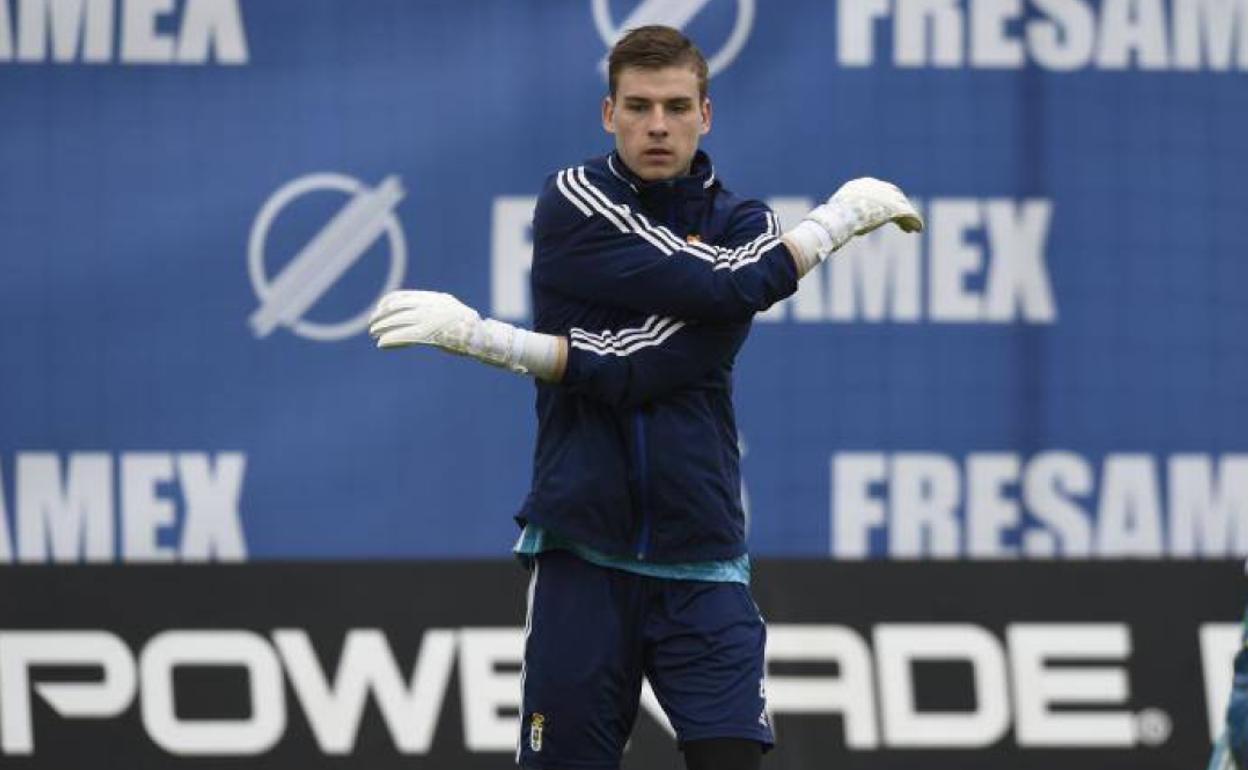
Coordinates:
(657, 153)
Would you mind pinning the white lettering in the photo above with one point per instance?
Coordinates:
(71, 518)
(83, 31)
(1069, 683)
(850, 692)
(106, 696)
(367, 665)
(991, 45)
(899, 647)
(485, 691)
(882, 269)
(1208, 518)
(254, 734)
(69, 20)
(1129, 515)
(1065, 40)
(213, 528)
(989, 513)
(1061, 698)
(144, 513)
(1051, 479)
(1039, 686)
(1059, 35)
(855, 512)
(212, 24)
(915, 20)
(855, 31)
(925, 496)
(1219, 644)
(996, 505)
(1018, 283)
(6, 33)
(141, 42)
(952, 259)
(1206, 31)
(67, 521)
(1132, 28)
(511, 256)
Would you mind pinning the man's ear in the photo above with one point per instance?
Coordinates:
(706, 115)
(608, 115)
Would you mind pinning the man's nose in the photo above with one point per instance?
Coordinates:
(657, 125)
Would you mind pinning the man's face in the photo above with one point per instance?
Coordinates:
(657, 118)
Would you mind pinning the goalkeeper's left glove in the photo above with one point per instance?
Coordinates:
(405, 318)
(858, 207)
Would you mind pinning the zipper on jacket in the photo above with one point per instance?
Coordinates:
(639, 430)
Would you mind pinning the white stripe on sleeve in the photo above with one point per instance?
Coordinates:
(607, 344)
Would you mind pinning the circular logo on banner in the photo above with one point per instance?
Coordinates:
(678, 14)
(288, 295)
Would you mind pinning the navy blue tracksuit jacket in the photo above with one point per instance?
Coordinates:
(654, 284)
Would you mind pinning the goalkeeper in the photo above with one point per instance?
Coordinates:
(646, 274)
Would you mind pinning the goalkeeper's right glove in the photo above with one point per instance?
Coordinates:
(858, 207)
(433, 318)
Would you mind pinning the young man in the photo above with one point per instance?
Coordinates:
(646, 274)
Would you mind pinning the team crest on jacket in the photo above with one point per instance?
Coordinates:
(537, 724)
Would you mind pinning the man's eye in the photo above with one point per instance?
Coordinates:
(682, 107)
(636, 107)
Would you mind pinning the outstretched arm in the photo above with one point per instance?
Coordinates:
(593, 248)
(636, 363)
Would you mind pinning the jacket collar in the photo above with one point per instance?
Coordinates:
(700, 178)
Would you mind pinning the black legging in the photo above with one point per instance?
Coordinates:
(723, 754)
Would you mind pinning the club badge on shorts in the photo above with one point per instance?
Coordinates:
(536, 724)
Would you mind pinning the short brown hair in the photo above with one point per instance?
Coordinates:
(655, 47)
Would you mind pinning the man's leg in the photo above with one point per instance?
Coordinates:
(723, 754)
(581, 678)
(704, 658)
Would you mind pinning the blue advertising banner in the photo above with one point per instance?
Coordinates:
(201, 200)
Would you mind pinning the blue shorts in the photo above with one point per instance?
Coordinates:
(593, 632)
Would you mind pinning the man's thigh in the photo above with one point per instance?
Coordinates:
(582, 664)
(704, 658)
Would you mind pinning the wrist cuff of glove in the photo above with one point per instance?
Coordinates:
(824, 230)
(518, 350)
(810, 243)
(490, 342)
(838, 220)
(535, 353)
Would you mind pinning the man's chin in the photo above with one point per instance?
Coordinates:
(652, 169)
(657, 171)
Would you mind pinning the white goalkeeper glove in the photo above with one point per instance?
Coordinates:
(860, 206)
(405, 318)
